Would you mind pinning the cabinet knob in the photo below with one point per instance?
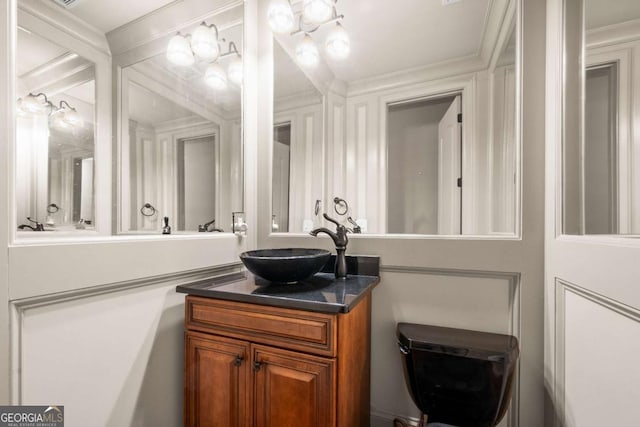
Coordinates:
(238, 361)
(257, 365)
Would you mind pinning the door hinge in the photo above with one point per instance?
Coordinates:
(460, 182)
(459, 117)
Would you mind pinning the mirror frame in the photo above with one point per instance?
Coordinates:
(267, 238)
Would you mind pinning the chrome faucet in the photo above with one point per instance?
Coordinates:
(340, 239)
(205, 227)
(38, 226)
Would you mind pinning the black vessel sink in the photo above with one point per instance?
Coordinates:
(285, 265)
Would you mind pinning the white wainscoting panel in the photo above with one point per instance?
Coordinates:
(111, 360)
(601, 346)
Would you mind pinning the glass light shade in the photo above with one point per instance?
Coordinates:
(307, 52)
(235, 70)
(215, 77)
(317, 11)
(281, 18)
(31, 104)
(179, 52)
(58, 119)
(337, 43)
(204, 42)
(73, 118)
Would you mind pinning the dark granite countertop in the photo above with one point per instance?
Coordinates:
(321, 292)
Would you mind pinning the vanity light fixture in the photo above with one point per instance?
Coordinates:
(204, 44)
(337, 43)
(317, 11)
(281, 17)
(307, 52)
(32, 104)
(215, 76)
(179, 51)
(64, 116)
(315, 14)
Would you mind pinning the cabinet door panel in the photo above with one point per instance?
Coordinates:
(293, 389)
(217, 392)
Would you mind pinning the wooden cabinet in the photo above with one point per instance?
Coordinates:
(254, 365)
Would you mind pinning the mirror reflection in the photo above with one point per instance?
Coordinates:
(297, 146)
(54, 135)
(606, 201)
(419, 136)
(181, 140)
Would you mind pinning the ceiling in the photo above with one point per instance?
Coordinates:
(107, 15)
(150, 108)
(387, 36)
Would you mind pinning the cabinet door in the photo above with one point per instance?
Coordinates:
(217, 375)
(293, 389)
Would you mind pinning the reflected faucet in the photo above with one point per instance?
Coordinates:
(38, 226)
(340, 239)
(205, 227)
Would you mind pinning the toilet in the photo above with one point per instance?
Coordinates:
(457, 377)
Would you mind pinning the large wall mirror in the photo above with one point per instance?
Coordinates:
(410, 130)
(601, 163)
(55, 134)
(181, 134)
(175, 72)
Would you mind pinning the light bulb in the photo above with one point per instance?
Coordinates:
(281, 18)
(179, 51)
(234, 71)
(215, 77)
(317, 11)
(204, 42)
(337, 43)
(307, 52)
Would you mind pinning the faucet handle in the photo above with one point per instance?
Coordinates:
(356, 228)
(328, 218)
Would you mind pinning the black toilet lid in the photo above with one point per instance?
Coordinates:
(460, 342)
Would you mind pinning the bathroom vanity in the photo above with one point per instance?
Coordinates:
(261, 354)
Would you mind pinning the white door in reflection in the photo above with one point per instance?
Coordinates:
(196, 181)
(424, 166)
(281, 161)
(450, 171)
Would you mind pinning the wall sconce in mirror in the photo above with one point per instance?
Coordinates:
(64, 116)
(314, 14)
(204, 44)
(239, 226)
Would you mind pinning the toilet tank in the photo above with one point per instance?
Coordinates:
(457, 376)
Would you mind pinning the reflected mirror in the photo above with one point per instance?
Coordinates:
(401, 134)
(601, 190)
(54, 134)
(181, 132)
(297, 146)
